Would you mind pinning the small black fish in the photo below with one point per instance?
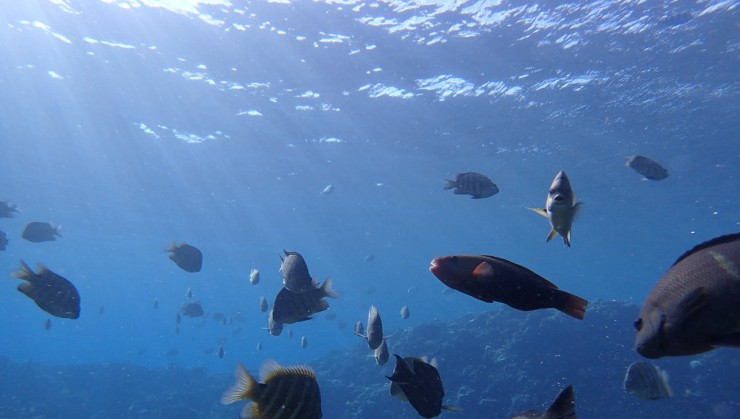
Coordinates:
(221, 352)
(471, 183)
(187, 257)
(291, 307)
(7, 210)
(192, 309)
(419, 383)
(564, 407)
(649, 168)
(101, 310)
(38, 232)
(287, 392)
(3, 240)
(47, 325)
(53, 293)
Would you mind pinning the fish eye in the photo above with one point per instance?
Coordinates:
(638, 324)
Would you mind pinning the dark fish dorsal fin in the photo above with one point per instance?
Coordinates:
(564, 406)
(709, 243)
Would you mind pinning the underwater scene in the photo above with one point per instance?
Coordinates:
(370, 209)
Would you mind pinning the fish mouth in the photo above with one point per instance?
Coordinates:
(434, 266)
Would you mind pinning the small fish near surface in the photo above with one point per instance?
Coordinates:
(291, 307)
(3, 240)
(286, 392)
(192, 309)
(53, 293)
(296, 277)
(470, 183)
(254, 276)
(418, 382)
(7, 210)
(490, 278)
(647, 382)
(564, 407)
(38, 232)
(374, 328)
(649, 168)
(561, 207)
(187, 257)
(694, 307)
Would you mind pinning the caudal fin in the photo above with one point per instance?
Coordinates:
(242, 389)
(449, 184)
(564, 406)
(572, 305)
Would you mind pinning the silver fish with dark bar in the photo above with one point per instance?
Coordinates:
(53, 293)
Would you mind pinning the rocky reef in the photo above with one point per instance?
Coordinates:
(493, 365)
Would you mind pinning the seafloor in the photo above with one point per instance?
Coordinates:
(493, 365)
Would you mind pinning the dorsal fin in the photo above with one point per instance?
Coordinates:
(709, 243)
(510, 263)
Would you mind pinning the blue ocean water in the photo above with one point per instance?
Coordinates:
(133, 124)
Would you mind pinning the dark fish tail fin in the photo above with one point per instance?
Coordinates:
(449, 184)
(24, 272)
(571, 305)
(243, 389)
(328, 290)
(564, 406)
(57, 231)
(172, 247)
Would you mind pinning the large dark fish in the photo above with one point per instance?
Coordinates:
(295, 273)
(287, 392)
(490, 278)
(649, 168)
(187, 257)
(647, 382)
(7, 210)
(3, 240)
(192, 309)
(418, 382)
(53, 293)
(564, 407)
(38, 232)
(694, 308)
(470, 183)
(561, 207)
(291, 307)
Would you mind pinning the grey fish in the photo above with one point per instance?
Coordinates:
(3, 240)
(221, 352)
(291, 307)
(561, 207)
(38, 232)
(491, 278)
(374, 328)
(304, 342)
(178, 318)
(47, 325)
(419, 383)
(405, 313)
(296, 277)
(254, 276)
(359, 329)
(327, 190)
(287, 392)
(263, 304)
(7, 210)
(381, 354)
(275, 328)
(564, 407)
(647, 382)
(187, 257)
(694, 306)
(155, 304)
(53, 293)
(192, 309)
(649, 168)
(470, 183)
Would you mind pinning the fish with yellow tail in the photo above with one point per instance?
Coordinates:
(561, 207)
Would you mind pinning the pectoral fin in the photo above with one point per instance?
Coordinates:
(688, 307)
(552, 234)
(540, 211)
(483, 270)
